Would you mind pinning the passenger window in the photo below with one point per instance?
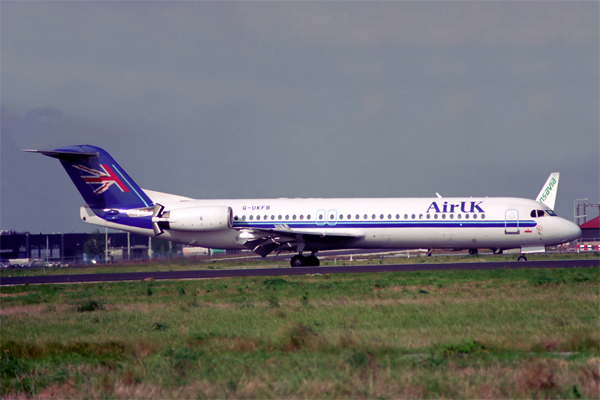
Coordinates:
(482, 216)
(287, 217)
(365, 216)
(451, 216)
(320, 217)
(389, 216)
(308, 216)
(381, 216)
(435, 216)
(413, 216)
(405, 216)
(251, 217)
(258, 217)
(272, 217)
(332, 217)
(294, 217)
(243, 217)
(373, 216)
(397, 216)
(357, 216)
(349, 216)
(279, 217)
(466, 216)
(428, 216)
(459, 216)
(301, 217)
(474, 216)
(443, 216)
(235, 218)
(341, 216)
(420, 216)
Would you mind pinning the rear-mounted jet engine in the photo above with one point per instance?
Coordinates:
(192, 219)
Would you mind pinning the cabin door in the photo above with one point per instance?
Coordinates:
(511, 222)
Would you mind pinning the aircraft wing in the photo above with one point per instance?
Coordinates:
(265, 241)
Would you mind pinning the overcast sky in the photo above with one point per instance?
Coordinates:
(299, 99)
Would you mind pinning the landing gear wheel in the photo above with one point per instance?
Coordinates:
(522, 258)
(312, 261)
(472, 252)
(298, 261)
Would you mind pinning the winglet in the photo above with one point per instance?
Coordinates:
(547, 195)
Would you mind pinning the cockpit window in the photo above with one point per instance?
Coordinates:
(537, 213)
(551, 213)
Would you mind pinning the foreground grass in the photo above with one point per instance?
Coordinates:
(462, 334)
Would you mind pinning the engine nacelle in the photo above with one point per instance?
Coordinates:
(204, 218)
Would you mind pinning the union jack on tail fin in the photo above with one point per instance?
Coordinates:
(102, 182)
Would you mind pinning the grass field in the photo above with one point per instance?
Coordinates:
(525, 333)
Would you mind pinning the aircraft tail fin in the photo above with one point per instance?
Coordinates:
(547, 195)
(102, 182)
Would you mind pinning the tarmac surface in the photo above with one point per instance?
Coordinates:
(223, 273)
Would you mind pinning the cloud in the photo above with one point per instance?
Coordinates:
(47, 128)
(40, 115)
(445, 24)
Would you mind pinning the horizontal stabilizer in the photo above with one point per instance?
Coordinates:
(64, 155)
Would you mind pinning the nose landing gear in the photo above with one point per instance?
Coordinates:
(305, 261)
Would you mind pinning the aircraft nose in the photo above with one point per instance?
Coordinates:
(570, 231)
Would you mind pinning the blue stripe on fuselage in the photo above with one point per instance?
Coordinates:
(146, 223)
(389, 224)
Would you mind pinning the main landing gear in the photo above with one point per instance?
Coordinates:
(304, 261)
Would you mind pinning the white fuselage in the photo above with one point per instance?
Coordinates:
(501, 223)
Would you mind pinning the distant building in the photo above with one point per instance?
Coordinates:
(67, 248)
(590, 231)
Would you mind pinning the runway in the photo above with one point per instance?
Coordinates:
(226, 273)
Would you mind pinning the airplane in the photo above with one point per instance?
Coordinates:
(114, 200)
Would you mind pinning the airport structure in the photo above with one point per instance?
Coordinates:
(68, 248)
(26, 249)
(589, 225)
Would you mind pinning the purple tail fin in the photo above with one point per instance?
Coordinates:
(100, 180)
